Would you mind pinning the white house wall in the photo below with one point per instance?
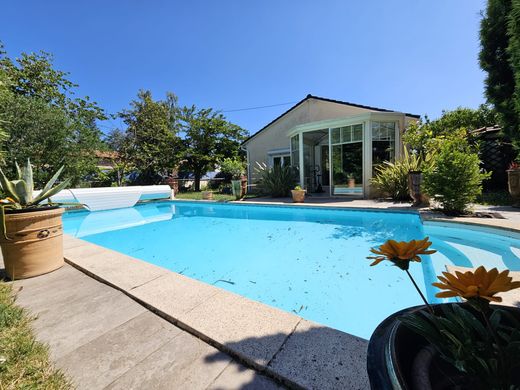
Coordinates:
(275, 136)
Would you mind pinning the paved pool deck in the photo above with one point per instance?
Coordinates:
(103, 339)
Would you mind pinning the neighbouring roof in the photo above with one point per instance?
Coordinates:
(309, 96)
(486, 130)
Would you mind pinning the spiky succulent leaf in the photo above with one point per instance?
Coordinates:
(18, 170)
(51, 182)
(27, 176)
(47, 194)
(8, 187)
(22, 192)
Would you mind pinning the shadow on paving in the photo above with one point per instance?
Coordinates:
(314, 357)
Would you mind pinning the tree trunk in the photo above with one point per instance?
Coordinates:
(197, 180)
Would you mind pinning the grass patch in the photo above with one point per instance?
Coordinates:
(198, 196)
(24, 362)
(495, 198)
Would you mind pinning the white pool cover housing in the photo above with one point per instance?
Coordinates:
(106, 198)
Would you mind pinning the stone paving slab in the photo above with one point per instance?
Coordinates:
(319, 357)
(107, 264)
(117, 351)
(174, 294)
(184, 362)
(250, 329)
(235, 376)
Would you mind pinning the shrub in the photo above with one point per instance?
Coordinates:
(232, 167)
(454, 178)
(392, 177)
(277, 181)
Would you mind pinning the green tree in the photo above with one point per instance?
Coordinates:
(451, 122)
(209, 138)
(151, 143)
(497, 25)
(45, 120)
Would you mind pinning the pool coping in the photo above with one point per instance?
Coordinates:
(294, 351)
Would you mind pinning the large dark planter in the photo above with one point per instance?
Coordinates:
(393, 362)
(513, 179)
(414, 186)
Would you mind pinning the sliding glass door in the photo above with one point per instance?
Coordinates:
(347, 160)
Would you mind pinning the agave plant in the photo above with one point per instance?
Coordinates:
(20, 192)
(276, 181)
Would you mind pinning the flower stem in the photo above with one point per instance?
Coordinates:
(420, 293)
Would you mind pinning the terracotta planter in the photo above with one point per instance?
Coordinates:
(351, 183)
(414, 186)
(243, 183)
(298, 196)
(513, 176)
(398, 358)
(207, 195)
(35, 244)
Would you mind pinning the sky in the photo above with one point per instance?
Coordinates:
(406, 55)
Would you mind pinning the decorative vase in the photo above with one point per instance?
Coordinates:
(414, 186)
(513, 181)
(298, 196)
(236, 187)
(207, 195)
(35, 244)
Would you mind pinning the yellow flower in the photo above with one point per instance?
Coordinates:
(479, 284)
(401, 253)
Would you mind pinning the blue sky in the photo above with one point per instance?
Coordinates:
(406, 55)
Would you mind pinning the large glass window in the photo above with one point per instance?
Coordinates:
(295, 151)
(383, 142)
(347, 159)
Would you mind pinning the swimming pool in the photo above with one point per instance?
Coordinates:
(307, 260)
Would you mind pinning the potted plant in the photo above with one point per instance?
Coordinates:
(513, 181)
(298, 194)
(31, 239)
(463, 345)
(207, 195)
(235, 168)
(351, 180)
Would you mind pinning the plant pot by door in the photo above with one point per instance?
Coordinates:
(298, 196)
(513, 181)
(414, 186)
(35, 244)
(207, 195)
(236, 186)
(351, 183)
(243, 181)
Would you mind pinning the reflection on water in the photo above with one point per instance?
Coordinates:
(84, 223)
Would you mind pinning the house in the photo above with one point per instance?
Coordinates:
(334, 145)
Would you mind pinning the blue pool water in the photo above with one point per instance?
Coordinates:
(309, 261)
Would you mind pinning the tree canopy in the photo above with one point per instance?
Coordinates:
(500, 59)
(45, 121)
(151, 142)
(208, 138)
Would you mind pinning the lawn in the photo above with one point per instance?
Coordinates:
(24, 362)
(198, 196)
